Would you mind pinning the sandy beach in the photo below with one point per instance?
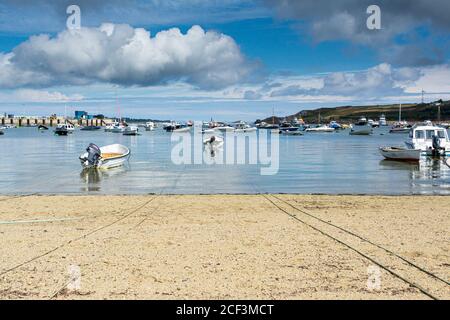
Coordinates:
(224, 247)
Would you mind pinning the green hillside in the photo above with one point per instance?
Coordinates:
(410, 112)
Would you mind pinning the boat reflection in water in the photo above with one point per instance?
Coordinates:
(92, 178)
(425, 175)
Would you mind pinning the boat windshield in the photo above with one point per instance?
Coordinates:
(419, 134)
(430, 134)
(441, 134)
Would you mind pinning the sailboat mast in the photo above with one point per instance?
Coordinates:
(400, 113)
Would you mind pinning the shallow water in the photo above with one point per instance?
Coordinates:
(332, 163)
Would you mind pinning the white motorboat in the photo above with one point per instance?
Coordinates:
(106, 157)
(400, 153)
(110, 126)
(242, 126)
(361, 128)
(382, 120)
(431, 140)
(130, 131)
(322, 128)
(224, 128)
(118, 128)
(64, 129)
(182, 129)
(149, 126)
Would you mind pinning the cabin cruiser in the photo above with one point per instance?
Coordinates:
(224, 128)
(106, 157)
(64, 129)
(361, 128)
(290, 129)
(431, 140)
(373, 124)
(382, 120)
(172, 126)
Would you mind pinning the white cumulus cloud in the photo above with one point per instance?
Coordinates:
(123, 55)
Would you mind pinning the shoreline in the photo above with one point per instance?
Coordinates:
(266, 246)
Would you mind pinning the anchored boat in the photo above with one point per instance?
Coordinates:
(400, 153)
(431, 140)
(106, 157)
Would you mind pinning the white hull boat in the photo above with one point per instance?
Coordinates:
(110, 156)
(399, 153)
(320, 129)
(431, 140)
(182, 130)
(224, 129)
(130, 131)
(149, 126)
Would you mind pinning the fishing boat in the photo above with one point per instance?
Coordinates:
(431, 140)
(106, 157)
(400, 153)
(320, 128)
(361, 128)
(130, 131)
(42, 127)
(90, 128)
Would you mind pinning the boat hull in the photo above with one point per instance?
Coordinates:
(108, 163)
(400, 154)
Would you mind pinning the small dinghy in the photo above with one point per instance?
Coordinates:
(400, 153)
(106, 157)
(213, 143)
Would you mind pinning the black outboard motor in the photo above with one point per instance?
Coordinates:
(436, 146)
(94, 154)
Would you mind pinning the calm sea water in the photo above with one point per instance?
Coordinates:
(332, 163)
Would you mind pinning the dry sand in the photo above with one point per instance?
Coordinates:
(224, 246)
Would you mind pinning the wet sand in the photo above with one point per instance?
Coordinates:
(224, 247)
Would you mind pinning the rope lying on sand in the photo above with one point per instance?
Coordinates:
(379, 264)
(366, 240)
(78, 238)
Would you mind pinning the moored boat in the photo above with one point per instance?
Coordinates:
(63, 129)
(361, 128)
(400, 153)
(90, 128)
(130, 131)
(42, 127)
(106, 157)
(322, 128)
(431, 140)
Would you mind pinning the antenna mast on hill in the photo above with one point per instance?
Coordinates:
(422, 95)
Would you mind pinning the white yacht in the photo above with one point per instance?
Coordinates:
(322, 128)
(118, 128)
(431, 140)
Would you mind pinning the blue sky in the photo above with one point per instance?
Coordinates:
(227, 59)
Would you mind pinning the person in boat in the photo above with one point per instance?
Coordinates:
(210, 141)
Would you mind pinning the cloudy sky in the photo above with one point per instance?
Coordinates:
(227, 59)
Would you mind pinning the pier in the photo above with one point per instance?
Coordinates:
(51, 121)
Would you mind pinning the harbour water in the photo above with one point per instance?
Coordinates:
(316, 163)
